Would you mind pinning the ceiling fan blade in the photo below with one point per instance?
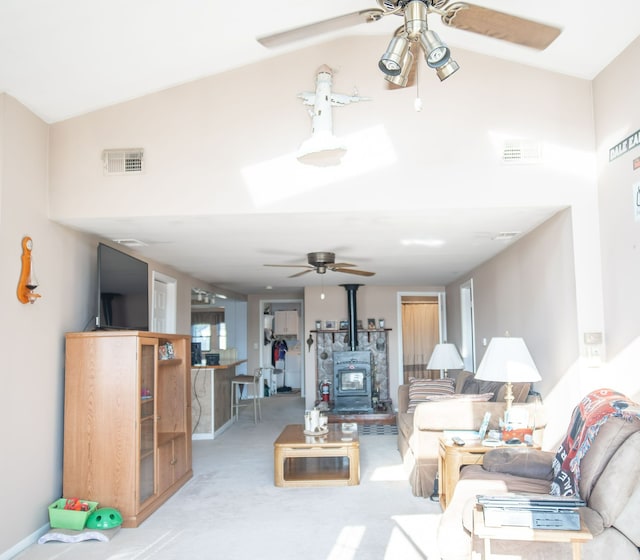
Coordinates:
(354, 271)
(320, 27)
(334, 265)
(499, 25)
(290, 266)
(300, 273)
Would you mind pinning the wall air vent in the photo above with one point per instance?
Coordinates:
(123, 162)
(521, 152)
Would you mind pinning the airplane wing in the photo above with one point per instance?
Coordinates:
(308, 98)
(342, 99)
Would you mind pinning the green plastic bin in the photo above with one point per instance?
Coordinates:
(60, 518)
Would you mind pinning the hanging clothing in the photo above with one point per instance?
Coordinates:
(278, 351)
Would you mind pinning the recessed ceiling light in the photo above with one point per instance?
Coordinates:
(423, 242)
(268, 288)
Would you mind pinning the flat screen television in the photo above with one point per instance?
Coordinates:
(123, 291)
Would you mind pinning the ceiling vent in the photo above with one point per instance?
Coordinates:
(130, 242)
(123, 162)
(506, 235)
(521, 152)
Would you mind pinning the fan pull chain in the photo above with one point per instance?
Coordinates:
(417, 103)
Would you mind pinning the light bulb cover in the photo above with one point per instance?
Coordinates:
(436, 53)
(403, 77)
(446, 70)
(391, 61)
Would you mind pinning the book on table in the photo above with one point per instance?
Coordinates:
(536, 511)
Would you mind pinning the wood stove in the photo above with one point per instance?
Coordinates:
(352, 381)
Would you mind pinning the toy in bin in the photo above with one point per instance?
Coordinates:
(105, 518)
(70, 513)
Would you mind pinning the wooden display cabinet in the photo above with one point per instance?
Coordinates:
(127, 418)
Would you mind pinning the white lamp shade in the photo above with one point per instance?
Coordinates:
(507, 359)
(445, 356)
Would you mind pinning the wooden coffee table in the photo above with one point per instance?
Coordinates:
(329, 460)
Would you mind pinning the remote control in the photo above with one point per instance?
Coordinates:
(457, 441)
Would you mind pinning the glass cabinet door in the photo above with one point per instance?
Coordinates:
(147, 353)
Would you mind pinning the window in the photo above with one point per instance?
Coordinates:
(210, 337)
(222, 336)
(202, 333)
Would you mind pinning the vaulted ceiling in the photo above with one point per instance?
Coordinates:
(66, 59)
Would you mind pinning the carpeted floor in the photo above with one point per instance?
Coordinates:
(231, 509)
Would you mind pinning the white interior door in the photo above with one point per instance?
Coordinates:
(163, 309)
(468, 347)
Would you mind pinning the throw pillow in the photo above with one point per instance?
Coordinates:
(530, 463)
(490, 387)
(471, 386)
(420, 390)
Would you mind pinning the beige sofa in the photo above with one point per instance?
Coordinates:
(609, 483)
(420, 431)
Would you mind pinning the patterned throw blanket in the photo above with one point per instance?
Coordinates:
(592, 412)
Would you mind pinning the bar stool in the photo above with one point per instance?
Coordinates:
(249, 380)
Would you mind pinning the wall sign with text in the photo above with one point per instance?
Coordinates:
(622, 147)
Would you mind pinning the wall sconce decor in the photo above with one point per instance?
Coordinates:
(28, 282)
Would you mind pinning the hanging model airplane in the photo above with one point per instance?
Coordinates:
(323, 148)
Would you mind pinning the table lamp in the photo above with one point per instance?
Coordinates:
(507, 360)
(445, 356)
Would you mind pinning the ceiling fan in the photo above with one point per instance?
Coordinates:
(397, 61)
(321, 262)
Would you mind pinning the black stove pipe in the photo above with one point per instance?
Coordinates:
(352, 314)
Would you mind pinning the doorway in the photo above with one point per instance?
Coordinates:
(163, 298)
(282, 327)
(422, 326)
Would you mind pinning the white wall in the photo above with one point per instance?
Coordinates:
(529, 291)
(617, 115)
(204, 136)
(32, 336)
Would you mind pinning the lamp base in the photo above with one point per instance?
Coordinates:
(508, 397)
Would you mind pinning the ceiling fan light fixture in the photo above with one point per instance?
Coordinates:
(415, 19)
(446, 70)
(391, 61)
(401, 79)
(436, 53)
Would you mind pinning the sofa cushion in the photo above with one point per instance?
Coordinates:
(421, 389)
(469, 385)
(530, 463)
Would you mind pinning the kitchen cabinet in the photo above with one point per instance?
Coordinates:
(286, 323)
